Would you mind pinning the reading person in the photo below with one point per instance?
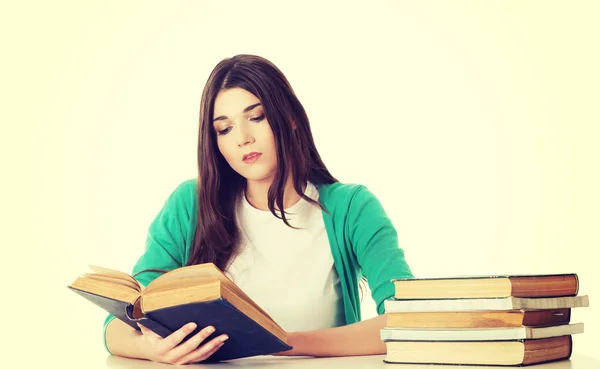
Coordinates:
(256, 155)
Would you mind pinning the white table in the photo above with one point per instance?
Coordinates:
(355, 362)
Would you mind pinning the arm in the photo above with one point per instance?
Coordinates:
(360, 338)
(165, 246)
(122, 340)
(374, 243)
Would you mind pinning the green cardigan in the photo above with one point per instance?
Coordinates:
(362, 238)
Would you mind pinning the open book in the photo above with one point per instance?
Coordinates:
(200, 293)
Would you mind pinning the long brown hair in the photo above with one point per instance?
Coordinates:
(218, 184)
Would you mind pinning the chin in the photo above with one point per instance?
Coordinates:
(257, 176)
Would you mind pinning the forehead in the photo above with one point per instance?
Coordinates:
(233, 101)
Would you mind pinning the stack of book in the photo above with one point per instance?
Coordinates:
(482, 320)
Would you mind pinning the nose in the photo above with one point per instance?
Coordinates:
(244, 136)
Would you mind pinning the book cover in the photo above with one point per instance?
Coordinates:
(479, 319)
(483, 353)
(533, 285)
(479, 334)
(484, 304)
(246, 337)
(487, 276)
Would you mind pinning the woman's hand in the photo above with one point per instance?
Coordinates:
(170, 350)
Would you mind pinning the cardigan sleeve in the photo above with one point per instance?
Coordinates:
(165, 241)
(375, 243)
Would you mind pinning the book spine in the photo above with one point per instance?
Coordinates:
(540, 318)
(544, 286)
(147, 322)
(547, 349)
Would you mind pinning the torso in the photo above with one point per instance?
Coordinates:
(288, 272)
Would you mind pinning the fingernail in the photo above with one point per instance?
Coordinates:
(210, 329)
(191, 326)
(224, 338)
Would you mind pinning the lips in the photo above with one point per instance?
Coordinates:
(251, 157)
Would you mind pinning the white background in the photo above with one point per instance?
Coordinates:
(475, 123)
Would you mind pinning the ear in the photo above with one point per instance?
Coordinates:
(293, 123)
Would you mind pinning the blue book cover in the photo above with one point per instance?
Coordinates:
(246, 337)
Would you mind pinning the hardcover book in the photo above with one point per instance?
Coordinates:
(485, 304)
(534, 285)
(505, 353)
(479, 319)
(479, 334)
(200, 293)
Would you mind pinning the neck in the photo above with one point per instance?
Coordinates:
(257, 194)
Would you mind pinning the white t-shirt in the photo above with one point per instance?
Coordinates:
(288, 272)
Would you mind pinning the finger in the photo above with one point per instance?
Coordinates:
(207, 355)
(147, 331)
(176, 337)
(193, 343)
(204, 352)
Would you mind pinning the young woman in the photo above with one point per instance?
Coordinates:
(256, 155)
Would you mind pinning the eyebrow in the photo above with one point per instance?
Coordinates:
(222, 117)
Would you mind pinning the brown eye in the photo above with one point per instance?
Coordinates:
(257, 119)
(224, 131)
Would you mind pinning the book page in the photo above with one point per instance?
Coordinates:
(112, 273)
(208, 270)
(179, 283)
(111, 290)
(123, 282)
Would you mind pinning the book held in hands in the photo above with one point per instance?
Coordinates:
(200, 293)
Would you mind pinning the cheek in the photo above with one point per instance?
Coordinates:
(269, 145)
(267, 137)
(225, 149)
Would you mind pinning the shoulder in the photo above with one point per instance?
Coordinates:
(188, 187)
(185, 190)
(183, 198)
(339, 191)
(336, 195)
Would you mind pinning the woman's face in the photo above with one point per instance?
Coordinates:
(244, 136)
